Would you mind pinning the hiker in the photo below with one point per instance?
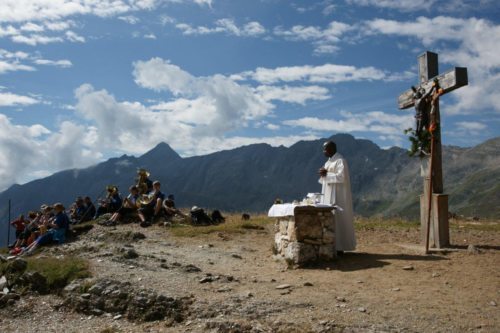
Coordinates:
(90, 210)
(151, 205)
(111, 204)
(129, 206)
(57, 233)
(170, 209)
(77, 210)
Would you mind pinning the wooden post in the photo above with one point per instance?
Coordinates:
(449, 81)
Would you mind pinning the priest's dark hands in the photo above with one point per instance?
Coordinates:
(322, 172)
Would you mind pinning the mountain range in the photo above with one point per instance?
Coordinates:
(384, 181)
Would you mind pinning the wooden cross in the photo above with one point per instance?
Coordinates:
(448, 81)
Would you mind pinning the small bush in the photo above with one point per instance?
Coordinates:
(59, 272)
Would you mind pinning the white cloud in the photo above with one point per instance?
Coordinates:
(374, 121)
(225, 25)
(59, 25)
(58, 63)
(159, 74)
(470, 125)
(10, 99)
(6, 66)
(35, 39)
(324, 40)
(403, 5)
(273, 127)
(150, 36)
(130, 19)
(8, 31)
(52, 151)
(234, 104)
(74, 37)
(32, 27)
(477, 49)
(13, 55)
(327, 73)
(12, 61)
(36, 10)
(458, 6)
(299, 95)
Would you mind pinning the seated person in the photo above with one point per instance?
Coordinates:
(169, 207)
(111, 204)
(129, 206)
(77, 210)
(90, 210)
(29, 233)
(57, 233)
(152, 208)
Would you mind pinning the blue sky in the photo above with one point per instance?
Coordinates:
(85, 80)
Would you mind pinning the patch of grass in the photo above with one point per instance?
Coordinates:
(233, 225)
(483, 226)
(379, 223)
(59, 271)
(4, 250)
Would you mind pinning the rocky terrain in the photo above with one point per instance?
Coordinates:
(225, 279)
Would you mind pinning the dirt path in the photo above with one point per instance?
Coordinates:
(387, 285)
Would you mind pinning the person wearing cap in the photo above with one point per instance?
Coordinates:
(169, 207)
(57, 233)
(152, 209)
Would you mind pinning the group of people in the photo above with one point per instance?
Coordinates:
(49, 225)
(145, 201)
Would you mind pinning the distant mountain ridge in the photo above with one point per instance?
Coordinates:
(250, 178)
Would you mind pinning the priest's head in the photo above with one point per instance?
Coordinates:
(329, 148)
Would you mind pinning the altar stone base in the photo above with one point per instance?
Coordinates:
(308, 237)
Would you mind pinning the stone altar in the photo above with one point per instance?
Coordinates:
(306, 237)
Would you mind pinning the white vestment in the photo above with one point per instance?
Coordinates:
(336, 190)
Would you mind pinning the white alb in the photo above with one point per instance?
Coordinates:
(336, 190)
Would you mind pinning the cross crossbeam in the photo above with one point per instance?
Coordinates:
(448, 81)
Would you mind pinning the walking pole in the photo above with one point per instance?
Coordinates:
(8, 228)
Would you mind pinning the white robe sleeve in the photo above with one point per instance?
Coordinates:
(335, 174)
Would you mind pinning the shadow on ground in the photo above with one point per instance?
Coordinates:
(355, 261)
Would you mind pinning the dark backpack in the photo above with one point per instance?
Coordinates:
(217, 217)
(199, 217)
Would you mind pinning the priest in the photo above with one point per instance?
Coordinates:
(336, 190)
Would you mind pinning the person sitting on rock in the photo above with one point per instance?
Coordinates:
(129, 206)
(170, 209)
(90, 210)
(151, 205)
(57, 233)
(77, 210)
(112, 203)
